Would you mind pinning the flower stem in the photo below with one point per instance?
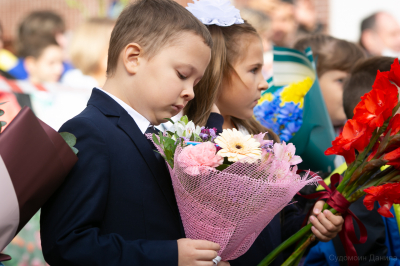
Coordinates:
(290, 241)
(296, 256)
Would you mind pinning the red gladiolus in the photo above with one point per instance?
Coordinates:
(386, 195)
(349, 156)
(393, 158)
(354, 136)
(394, 73)
(394, 125)
(377, 105)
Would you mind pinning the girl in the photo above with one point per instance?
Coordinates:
(232, 81)
(232, 85)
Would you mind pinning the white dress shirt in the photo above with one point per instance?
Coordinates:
(140, 120)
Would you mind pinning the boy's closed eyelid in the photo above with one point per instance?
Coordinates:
(181, 76)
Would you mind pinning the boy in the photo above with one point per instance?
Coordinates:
(43, 60)
(117, 206)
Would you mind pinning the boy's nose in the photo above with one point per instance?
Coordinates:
(188, 94)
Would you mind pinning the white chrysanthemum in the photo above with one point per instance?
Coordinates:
(236, 146)
(217, 12)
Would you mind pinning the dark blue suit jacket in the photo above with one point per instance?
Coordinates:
(117, 206)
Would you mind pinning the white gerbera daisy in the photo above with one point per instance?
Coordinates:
(236, 146)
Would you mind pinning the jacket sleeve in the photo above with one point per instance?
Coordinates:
(71, 219)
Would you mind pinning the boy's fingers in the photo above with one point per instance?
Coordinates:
(327, 224)
(206, 245)
(207, 255)
(320, 236)
(318, 207)
(204, 263)
(337, 220)
(317, 224)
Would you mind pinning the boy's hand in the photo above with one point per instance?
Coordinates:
(197, 252)
(326, 225)
(224, 263)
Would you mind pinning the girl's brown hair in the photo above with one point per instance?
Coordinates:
(226, 51)
(331, 53)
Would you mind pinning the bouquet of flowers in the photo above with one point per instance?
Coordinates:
(229, 186)
(288, 108)
(34, 160)
(369, 141)
(282, 110)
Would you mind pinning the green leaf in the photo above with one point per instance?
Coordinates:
(155, 139)
(170, 120)
(3, 123)
(185, 119)
(222, 167)
(170, 133)
(1, 112)
(75, 150)
(3, 103)
(69, 138)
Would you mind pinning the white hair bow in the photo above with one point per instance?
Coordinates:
(217, 12)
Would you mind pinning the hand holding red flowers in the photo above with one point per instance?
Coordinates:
(368, 141)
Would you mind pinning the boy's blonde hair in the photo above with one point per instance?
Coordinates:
(230, 44)
(89, 43)
(152, 24)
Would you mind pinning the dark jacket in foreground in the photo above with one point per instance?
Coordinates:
(117, 206)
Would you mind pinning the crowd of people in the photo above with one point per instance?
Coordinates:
(54, 76)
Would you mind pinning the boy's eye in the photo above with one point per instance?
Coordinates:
(182, 77)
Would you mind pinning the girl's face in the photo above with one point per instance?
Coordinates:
(331, 83)
(240, 94)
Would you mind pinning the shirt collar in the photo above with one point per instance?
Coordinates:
(140, 120)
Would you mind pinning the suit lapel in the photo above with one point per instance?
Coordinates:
(110, 107)
(127, 124)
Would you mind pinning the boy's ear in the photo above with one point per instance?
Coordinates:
(132, 55)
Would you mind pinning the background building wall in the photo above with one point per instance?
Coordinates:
(13, 11)
(345, 16)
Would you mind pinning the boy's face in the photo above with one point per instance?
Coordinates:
(163, 84)
(331, 83)
(47, 67)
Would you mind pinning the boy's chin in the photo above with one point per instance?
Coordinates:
(161, 120)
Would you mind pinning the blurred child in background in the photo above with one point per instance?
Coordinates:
(335, 58)
(37, 25)
(42, 60)
(90, 60)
